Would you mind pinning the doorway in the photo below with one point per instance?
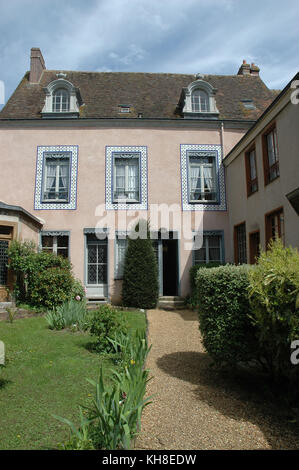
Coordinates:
(170, 267)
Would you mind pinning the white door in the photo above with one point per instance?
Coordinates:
(96, 268)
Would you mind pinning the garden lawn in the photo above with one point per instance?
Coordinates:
(46, 374)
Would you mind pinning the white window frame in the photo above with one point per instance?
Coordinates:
(202, 166)
(47, 159)
(126, 188)
(54, 248)
(60, 92)
(200, 101)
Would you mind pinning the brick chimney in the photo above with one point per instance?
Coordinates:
(37, 65)
(244, 69)
(254, 70)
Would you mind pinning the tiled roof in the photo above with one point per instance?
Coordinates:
(155, 95)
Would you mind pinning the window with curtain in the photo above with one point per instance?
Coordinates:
(202, 178)
(270, 151)
(200, 101)
(56, 178)
(211, 250)
(126, 179)
(251, 173)
(61, 101)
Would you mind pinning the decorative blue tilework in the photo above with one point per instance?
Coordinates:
(202, 206)
(71, 150)
(141, 152)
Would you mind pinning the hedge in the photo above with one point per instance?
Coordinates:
(227, 332)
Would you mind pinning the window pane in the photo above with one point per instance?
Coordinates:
(3, 262)
(126, 182)
(202, 178)
(47, 241)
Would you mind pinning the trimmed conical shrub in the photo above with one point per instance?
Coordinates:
(140, 281)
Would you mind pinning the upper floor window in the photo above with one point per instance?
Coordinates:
(61, 101)
(251, 173)
(56, 177)
(270, 153)
(126, 178)
(200, 101)
(202, 178)
(61, 98)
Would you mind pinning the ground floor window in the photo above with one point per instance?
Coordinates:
(274, 222)
(212, 250)
(5, 238)
(254, 246)
(240, 243)
(55, 243)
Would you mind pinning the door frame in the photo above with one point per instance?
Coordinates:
(106, 241)
(160, 260)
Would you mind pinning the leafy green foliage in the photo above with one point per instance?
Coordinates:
(193, 299)
(43, 279)
(115, 415)
(274, 300)
(105, 322)
(140, 281)
(227, 332)
(71, 314)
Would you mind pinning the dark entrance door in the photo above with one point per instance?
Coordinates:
(170, 267)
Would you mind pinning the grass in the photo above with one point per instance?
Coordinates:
(46, 374)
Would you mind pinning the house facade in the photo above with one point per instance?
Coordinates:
(85, 155)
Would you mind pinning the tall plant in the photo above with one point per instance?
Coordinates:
(140, 282)
(274, 299)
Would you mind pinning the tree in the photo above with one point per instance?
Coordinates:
(140, 282)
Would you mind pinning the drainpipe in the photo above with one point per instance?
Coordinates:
(222, 138)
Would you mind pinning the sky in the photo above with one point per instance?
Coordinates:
(171, 36)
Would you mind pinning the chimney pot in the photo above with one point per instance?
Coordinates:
(244, 69)
(37, 65)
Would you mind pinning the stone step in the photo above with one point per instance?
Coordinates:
(171, 303)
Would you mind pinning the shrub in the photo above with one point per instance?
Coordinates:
(42, 279)
(140, 281)
(104, 323)
(193, 299)
(274, 299)
(227, 332)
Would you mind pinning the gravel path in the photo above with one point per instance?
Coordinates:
(196, 407)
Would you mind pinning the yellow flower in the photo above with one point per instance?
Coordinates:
(132, 361)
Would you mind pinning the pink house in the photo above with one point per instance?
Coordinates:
(86, 154)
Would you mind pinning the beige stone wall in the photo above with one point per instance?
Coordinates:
(252, 209)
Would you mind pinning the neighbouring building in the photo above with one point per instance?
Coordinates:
(84, 155)
(262, 179)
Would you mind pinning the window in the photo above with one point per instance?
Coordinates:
(274, 222)
(56, 177)
(251, 174)
(240, 244)
(57, 244)
(248, 104)
(61, 101)
(126, 178)
(254, 246)
(200, 101)
(270, 153)
(202, 178)
(120, 252)
(211, 250)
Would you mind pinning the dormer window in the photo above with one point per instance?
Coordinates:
(198, 100)
(61, 101)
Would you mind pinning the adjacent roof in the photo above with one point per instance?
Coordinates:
(8, 208)
(155, 95)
